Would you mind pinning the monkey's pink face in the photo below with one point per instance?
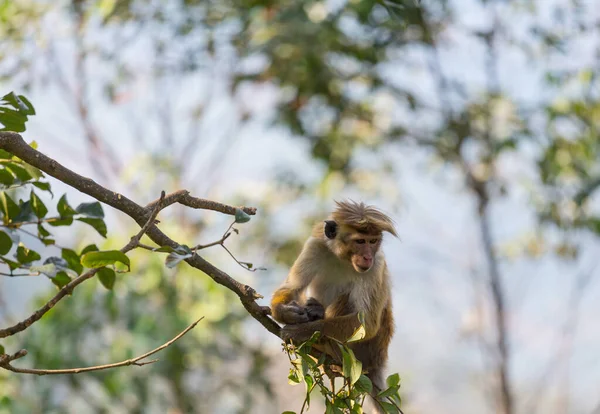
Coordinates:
(364, 248)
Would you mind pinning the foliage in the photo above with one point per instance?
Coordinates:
(127, 317)
(356, 386)
(21, 210)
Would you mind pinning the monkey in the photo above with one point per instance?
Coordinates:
(340, 272)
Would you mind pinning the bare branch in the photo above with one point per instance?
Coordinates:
(13, 143)
(5, 360)
(183, 197)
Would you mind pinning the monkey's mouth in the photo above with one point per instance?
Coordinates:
(362, 269)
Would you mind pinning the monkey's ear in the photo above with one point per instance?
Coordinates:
(330, 229)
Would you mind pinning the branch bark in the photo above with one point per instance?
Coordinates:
(14, 143)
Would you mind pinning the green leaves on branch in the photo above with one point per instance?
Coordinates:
(14, 110)
(105, 258)
(352, 367)
(356, 385)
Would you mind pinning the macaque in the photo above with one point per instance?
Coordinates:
(340, 272)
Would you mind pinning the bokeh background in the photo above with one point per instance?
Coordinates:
(473, 123)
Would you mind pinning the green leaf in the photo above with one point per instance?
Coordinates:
(388, 392)
(42, 232)
(63, 207)
(364, 385)
(12, 120)
(5, 243)
(359, 334)
(107, 277)
(6, 177)
(351, 367)
(33, 172)
(61, 279)
(73, 260)
(288, 412)
(393, 380)
(164, 249)
(356, 409)
(241, 216)
(388, 407)
(11, 264)
(21, 173)
(293, 377)
(89, 248)
(8, 206)
(43, 186)
(2, 351)
(25, 255)
(37, 205)
(96, 223)
(104, 258)
(93, 209)
(66, 221)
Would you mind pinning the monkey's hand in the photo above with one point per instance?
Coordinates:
(292, 313)
(314, 309)
(298, 333)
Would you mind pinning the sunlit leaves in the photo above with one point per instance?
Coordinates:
(25, 255)
(104, 258)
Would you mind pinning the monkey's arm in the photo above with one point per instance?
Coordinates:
(286, 304)
(340, 328)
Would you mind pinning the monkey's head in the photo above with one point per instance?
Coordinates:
(354, 233)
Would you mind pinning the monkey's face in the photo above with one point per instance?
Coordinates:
(363, 249)
(358, 247)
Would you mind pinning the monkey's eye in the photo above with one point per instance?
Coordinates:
(373, 241)
(360, 241)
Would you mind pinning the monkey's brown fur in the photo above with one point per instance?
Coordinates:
(342, 268)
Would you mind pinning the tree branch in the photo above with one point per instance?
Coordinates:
(69, 287)
(13, 143)
(5, 360)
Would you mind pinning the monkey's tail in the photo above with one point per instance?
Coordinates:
(373, 406)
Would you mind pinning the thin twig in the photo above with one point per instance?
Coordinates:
(5, 363)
